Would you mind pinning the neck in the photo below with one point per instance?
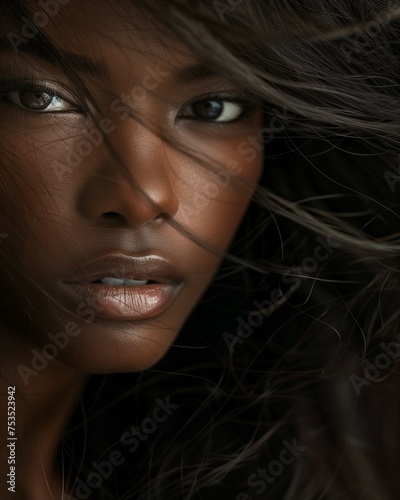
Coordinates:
(44, 402)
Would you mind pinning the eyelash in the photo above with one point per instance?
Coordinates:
(242, 98)
(8, 87)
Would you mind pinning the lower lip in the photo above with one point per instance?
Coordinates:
(124, 303)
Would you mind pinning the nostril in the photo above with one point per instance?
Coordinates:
(113, 218)
(111, 215)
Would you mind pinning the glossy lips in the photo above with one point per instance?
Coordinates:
(155, 285)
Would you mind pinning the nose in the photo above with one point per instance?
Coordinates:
(131, 179)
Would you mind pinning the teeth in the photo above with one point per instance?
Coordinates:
(122, 282)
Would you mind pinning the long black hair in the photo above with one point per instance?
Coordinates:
(287, 387)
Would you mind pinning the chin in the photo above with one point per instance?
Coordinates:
(105, 347)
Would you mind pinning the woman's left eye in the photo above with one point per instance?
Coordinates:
(214, 110)
(39, 101)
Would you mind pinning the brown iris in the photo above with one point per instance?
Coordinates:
(33, 99)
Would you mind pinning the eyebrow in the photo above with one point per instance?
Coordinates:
(192, 72)
(98, 68)
(77, 62)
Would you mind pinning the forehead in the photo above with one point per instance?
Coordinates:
(120, 35)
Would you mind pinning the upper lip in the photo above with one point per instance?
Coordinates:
(120, 265)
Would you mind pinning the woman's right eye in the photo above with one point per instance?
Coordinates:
(38, 99)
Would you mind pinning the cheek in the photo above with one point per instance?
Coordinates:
(216, 194)
(40, 214)
(35, 215)
(33, 208)
(29, 177)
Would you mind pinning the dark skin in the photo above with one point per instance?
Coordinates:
(58, 219)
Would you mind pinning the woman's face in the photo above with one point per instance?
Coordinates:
(114, 234)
